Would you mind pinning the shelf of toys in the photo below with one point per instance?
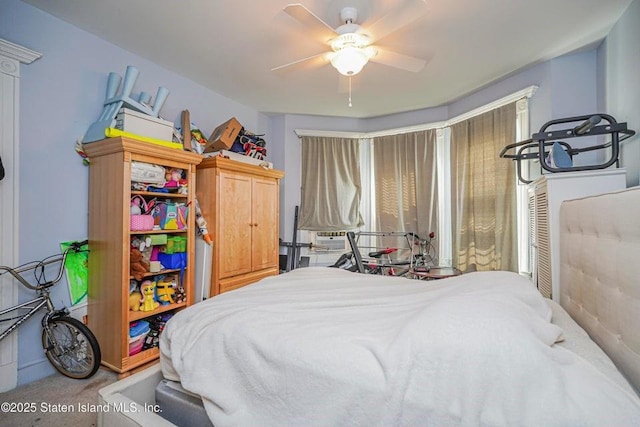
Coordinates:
(141, 264)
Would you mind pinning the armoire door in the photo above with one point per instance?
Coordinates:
(235, 224)
(265, 223)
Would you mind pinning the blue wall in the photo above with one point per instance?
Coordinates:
(62, 93)
(619, 83)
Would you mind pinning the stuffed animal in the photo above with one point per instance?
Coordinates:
(135, 207)
(165, 290)
(137, 264)
(134, 301)
(180, 296)
(183, 186)
(148, 301)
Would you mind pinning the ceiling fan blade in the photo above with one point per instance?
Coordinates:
(316, 27)
(396, 19)
(311, 61)
(398, 60)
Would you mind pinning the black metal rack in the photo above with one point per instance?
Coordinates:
(589, 125)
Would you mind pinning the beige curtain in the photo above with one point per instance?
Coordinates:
(405, 183)
(484, 192)
(330, 194)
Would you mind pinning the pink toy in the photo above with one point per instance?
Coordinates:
(173, 177)
(135, 207)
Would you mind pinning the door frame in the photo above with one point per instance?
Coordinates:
(11, 56)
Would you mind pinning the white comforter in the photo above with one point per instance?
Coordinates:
(322, 346)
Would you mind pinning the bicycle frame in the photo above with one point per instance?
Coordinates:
(40, 301)
(380, 260)
(68, 344)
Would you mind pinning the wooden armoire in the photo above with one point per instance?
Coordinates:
(241, 204)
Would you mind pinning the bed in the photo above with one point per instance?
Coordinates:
(322, 346)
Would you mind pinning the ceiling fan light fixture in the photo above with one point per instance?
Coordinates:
(351, 52)
(349, 61)
(351, 46)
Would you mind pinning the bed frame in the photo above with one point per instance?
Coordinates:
(600, 289)
(600, 273)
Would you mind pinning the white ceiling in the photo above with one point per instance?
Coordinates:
(231, 46)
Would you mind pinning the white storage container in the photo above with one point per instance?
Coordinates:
(131, 401)
(131, 121)
(241, 158)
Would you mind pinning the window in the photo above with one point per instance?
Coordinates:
(330, 191)
(483, 185)
(392, 174)
(405, 182)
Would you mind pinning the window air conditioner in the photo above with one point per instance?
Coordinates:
(328, 241)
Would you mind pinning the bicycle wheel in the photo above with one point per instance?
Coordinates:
(71, 347)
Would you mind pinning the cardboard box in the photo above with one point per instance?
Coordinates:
(223, 137)
(144, 125)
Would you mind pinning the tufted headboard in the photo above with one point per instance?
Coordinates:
(600, 273)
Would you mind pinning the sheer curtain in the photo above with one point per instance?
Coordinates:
(405, 181)
(330, 194)
(484, 192)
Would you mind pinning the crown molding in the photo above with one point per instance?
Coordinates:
(514, 97)
(17, 52)
(525, 93)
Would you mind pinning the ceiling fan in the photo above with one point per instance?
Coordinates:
(352, 45)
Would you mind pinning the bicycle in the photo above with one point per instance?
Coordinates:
(423, 253)
(379, 262)
(382, 264)
(69, 345)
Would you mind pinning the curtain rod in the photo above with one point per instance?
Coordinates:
(524, 93)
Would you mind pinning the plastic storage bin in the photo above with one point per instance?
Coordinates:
(136, 343)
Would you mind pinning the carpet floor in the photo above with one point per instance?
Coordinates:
(56, 401)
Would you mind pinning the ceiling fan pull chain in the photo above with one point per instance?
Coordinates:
(350, 105)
